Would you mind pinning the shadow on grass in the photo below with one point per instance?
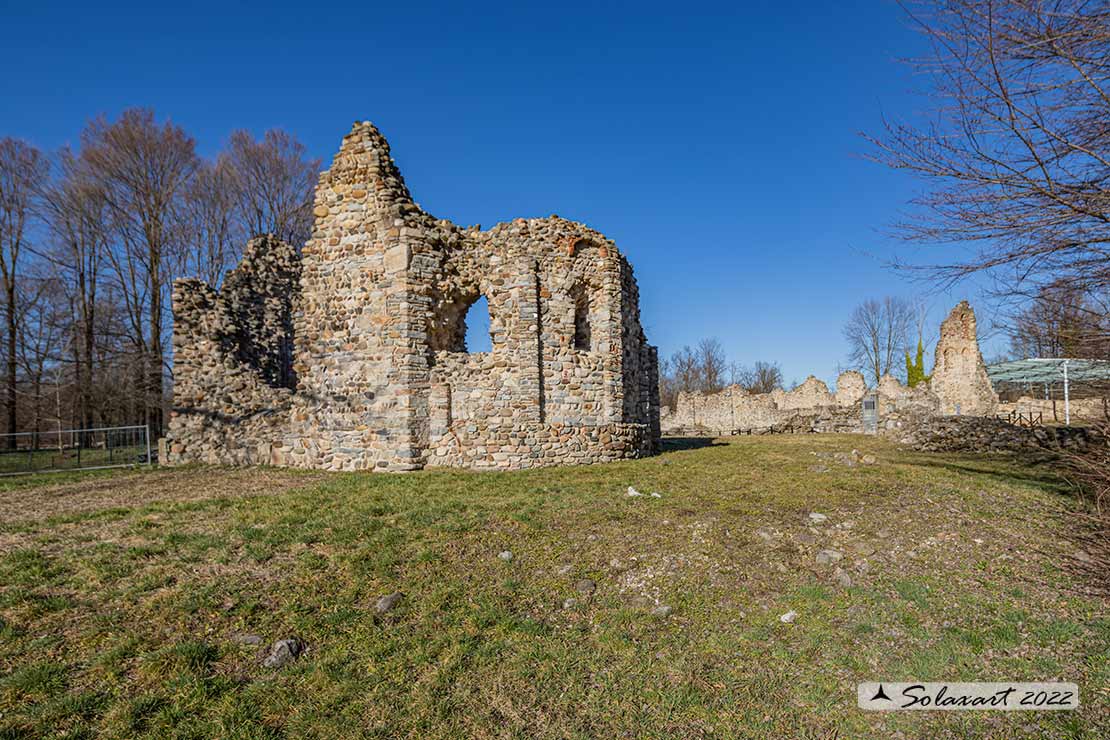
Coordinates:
(1089, 531)
(674, 444)
(1035, 471)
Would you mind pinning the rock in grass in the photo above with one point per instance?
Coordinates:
(828, 556)
(789, 617)
(842, 578)
(505, 555)
(869, 460)
(819, 468)
(283, 652)
(585, 587)
(806, 538)
(387, 602)
(246, 639)
(818, 518)
(570, 603)
(661, 611)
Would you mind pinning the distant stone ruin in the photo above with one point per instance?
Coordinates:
(959, 385)
(352, 356)
(959, 378)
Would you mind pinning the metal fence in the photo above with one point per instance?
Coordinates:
(49, 451)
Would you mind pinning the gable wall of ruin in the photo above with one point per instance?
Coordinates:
(383, 378)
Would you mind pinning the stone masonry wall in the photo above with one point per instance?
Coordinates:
(232, 359)
(384, 380)
(959, 377)
(959, 385)
(985, 434)
(1083, 410)
(810, 406)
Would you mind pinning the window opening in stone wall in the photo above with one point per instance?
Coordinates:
(582, 330)
(476, 324)
(460, 322)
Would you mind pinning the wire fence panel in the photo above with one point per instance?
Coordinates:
(49, 451)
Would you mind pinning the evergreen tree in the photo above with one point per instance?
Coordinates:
(915, 369)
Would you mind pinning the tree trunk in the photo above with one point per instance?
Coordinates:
(11, 383)
(154, 400)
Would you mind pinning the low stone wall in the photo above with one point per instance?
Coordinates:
(810, 405)
(982, 434)
(480, 445)
(1082, 409)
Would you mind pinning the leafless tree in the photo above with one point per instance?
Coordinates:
(679, 374)
(23, 171)
(761, 377)
(712, 364)
(274, 184)
(214, 232)
(79, 220)
(877, 335)
(41, 338)
(1016, 150)
(1062, 321)
(143, 169)
(706, 369)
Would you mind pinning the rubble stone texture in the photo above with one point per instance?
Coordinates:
(1090, 410)
(809, 406)
(987, 434)
(377, 374)
(959, 378)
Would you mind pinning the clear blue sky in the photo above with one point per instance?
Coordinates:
(717, 143)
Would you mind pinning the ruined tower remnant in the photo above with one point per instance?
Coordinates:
(377, 374)
(960, 379)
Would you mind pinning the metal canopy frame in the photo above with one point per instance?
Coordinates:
(1051, 370)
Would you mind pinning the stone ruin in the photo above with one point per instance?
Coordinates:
(352, 354)
(959, 385)
(959, 378)
(811, 405)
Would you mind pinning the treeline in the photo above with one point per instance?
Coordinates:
(1063, 319)
(707, 369)
(91, 239)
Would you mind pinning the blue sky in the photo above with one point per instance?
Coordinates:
(717, 143)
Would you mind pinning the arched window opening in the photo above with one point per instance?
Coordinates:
(460, 323)
(582, 331)
(476, 327)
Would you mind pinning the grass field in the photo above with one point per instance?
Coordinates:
(125, 597)
(68, 459)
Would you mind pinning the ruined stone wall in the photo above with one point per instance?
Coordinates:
(959, 385)
(1083, 410)
(233, 371)
(810, 405)
(959, 377)
(851, 387)
(810, 394)
(570, 368)
(985, 434)
(383, 377)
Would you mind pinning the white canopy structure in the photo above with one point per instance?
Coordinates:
(1051, 370)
